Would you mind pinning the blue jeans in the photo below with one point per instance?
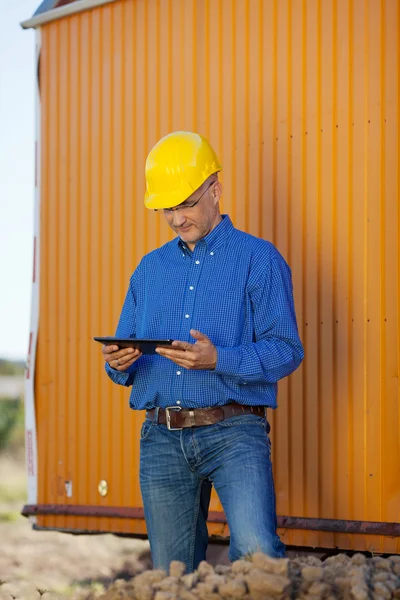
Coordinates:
(177, 470)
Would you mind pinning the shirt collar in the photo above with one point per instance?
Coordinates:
(215, 238)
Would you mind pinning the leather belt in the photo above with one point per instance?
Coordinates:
(175, 417)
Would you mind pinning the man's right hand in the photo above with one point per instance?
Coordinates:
(120, 358)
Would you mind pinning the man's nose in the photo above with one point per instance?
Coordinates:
(178, 218)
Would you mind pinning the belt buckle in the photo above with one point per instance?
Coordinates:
(168, 417)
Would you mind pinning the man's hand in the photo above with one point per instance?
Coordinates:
(120, 358)
(201, 355)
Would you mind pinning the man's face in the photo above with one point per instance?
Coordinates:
(197, 215)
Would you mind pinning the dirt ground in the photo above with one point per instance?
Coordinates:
(69, 566)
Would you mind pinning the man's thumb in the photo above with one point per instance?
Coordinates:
(200, 337)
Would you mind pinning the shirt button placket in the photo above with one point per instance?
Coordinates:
(190, 294)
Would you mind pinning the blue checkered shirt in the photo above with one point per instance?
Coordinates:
(236, 289)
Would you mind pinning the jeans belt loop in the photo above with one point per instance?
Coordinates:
(155, 416)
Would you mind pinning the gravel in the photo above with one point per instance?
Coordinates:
(263, 578)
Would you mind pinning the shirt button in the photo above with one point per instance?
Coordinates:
(178, 372)
(197, 262)
(191, 288)
(211, 253)
(187, 316)
(178, 401)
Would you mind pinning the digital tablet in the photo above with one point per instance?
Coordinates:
(145, 346)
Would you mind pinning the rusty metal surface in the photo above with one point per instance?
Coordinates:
(340, 526)
(332, 525)
(82, 511)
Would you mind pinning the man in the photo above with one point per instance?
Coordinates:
(225, 297)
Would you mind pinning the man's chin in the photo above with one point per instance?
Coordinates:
(188, 237)
(190, 240)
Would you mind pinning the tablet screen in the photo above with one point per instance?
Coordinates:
(144, 345)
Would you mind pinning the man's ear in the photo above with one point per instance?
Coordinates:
(217, 192)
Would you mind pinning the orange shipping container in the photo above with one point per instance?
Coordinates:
(301, 102)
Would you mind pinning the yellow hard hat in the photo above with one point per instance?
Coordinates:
(177, 166)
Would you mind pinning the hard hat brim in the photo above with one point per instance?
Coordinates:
(172, 199)
(160, 201)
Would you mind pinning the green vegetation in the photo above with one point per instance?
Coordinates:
(12, 440)
(11, 422)
(8, 367)
(12, 492)
(10, 516)
(11, 409)
(13, 480)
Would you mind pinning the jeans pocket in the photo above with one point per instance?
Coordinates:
(145, 430)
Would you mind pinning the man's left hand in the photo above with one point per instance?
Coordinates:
(200, 355)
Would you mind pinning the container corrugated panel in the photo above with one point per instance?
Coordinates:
(300, 100)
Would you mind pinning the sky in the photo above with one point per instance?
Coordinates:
(17, 142)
